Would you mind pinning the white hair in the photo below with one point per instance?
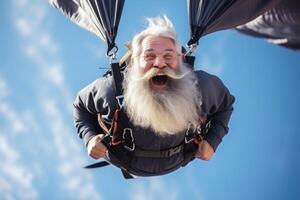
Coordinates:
(158, 26)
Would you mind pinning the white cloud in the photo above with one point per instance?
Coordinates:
(153, 189)
(46, 41)
(17, 180)
(66, 147)
(212, 60)
(31, 122)
(6, 189)
(6, 152)
(42, 49)
(54, 74)
(15, 121)
(24, 26)
(3, 88)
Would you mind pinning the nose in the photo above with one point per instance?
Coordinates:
(159, 62)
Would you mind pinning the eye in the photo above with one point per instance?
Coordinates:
(168, 57)
(149, 57)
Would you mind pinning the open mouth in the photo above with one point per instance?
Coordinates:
(159, 81)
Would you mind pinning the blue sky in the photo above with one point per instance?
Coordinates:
(45, 60)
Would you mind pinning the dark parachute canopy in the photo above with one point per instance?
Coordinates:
(207, 16)
(101, 17)
(279, 25)
(276, 20)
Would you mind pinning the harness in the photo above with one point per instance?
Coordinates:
(120, 142)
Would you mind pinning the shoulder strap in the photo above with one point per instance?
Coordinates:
(118, 80)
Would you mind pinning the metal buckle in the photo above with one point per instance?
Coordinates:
(120, 100)
(207, 126)
(128, 132)
(189, 136)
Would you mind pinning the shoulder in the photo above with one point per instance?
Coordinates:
(97, 94)
(102, 86)
(208, 81)
(215, 95)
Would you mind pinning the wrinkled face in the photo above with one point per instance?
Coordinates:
(159, 53)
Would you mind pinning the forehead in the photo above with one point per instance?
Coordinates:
(158, 44)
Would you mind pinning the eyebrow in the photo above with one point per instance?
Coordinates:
(151, 50)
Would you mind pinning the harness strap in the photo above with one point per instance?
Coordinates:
(118, 80)
(126, 174)
(190, 60)
(189, 152)
(97, 165)
(138, 152)
(104, 163)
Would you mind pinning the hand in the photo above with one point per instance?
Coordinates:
(205, 151)
(95, 147)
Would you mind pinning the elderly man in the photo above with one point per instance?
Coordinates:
(172, 114)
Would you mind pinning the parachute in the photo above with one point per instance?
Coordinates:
(207, 16)
(276, 20)
(279, 25)
(100, 17)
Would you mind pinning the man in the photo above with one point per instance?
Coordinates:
(165, 102)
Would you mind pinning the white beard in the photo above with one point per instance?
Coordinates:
(166, 112)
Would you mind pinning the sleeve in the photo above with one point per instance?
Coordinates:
(218, 105)
(90, 102)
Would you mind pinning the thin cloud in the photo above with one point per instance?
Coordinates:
(23, 26)
(65, 148)
(16, 123)
(43, 50)
(153, 189)
(16, 180)
(54, 74)
(213, 59)
(3, 88)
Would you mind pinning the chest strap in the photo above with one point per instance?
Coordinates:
(138, 152)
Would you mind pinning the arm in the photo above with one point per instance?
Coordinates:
(217, 106)
(85, 118)
(91, 101)
(220, 119)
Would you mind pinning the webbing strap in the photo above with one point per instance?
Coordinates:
(138, 152)
(96, 165)
(126, 174)
(190, 60)
(118, 79)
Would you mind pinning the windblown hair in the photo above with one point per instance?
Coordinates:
(158, 26)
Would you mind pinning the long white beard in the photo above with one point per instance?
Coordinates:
(166, 112)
